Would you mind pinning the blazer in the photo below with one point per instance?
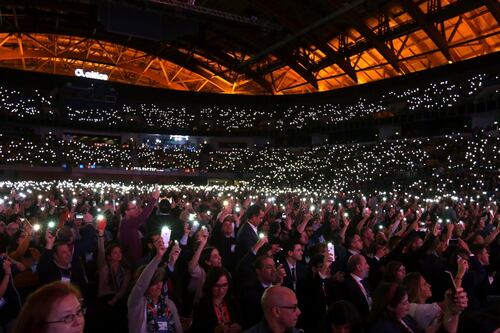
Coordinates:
(245, 239)
(250, 305)
(300, 273)
(351, 291)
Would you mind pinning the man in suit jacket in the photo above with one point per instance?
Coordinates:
(267, 276)
(354, 245)
(248, 233)
(354, 288)
(294, 269)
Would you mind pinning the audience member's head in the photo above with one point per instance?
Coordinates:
(280, 307)
(394, 271)
(343, 317)
(54, 308)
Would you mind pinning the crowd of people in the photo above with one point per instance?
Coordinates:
(22, 103)
(465, 162)
(390, 236)
(181, 258)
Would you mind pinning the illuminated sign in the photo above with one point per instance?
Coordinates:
(90, 75)
(179, 137)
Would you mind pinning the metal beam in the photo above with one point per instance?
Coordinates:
(304, 73)
(379, 45)
(429, 28)
(285, 19)
(217, 13)
(346, 7)
(494, 8)
(343, 63)
(7, 54)
(44, 54)
(231, 63)
(402, 30)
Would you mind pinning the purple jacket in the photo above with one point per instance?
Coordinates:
(128, 234)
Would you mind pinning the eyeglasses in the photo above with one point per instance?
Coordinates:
(68, 319)
(222, 285)
(294, 307)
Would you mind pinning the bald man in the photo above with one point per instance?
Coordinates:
(281, 312)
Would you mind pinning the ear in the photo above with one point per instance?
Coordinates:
(276, 312)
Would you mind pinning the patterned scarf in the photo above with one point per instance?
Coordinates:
(161, 311)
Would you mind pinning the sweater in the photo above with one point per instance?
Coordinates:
(137, 302)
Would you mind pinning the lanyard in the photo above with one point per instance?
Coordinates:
(222, 313)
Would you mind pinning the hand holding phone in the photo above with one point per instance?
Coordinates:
(331, 250)
(165, 235)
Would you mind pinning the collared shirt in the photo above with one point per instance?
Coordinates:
(293, 272)
(353, 252)
(266, 285)
(254, 228)
(290, 265)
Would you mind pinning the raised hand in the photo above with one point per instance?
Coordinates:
(160, 248)
(101, 226)
(7, 269)
(49, 239)
(174, 254)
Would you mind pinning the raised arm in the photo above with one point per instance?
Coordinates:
(193, 263)
(144, 279)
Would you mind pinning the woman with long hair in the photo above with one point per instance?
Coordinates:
(445, 313)
(390, 311)
(114, 274)
(216, 312)
(394, 271)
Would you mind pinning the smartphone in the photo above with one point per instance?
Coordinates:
(452, 281)
(79, 216)
(51, 227)
(165, 235)
(100, 222)
(331, 250)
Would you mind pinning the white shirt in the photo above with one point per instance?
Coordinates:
(290, 265)
(254, 228)
(365, 292)
(424, 314)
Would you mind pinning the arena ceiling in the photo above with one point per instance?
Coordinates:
(245, 46)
